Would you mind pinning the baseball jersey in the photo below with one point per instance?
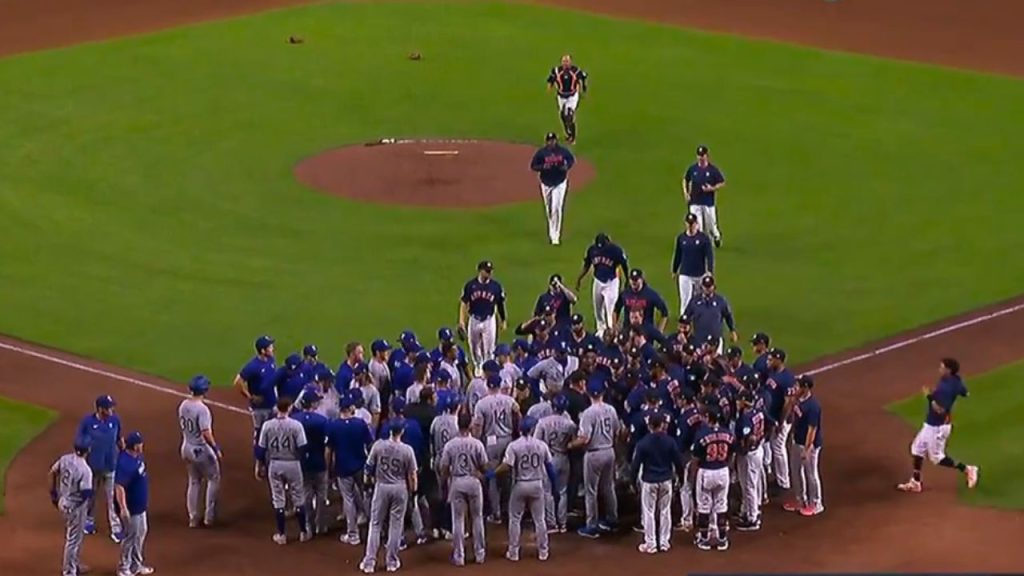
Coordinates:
(945, 394)
(558, 302)
(131, 475)
(254, 374)
(463, 456)
(484, 298)
(380, 374)
(73, 478)
(693, 255)
(567, 80)
(687, 424)
(645, 299)
(350, 439)
(412, 393)
(476, 390)
(540, 410)
(527, 456)
(698, 176)
(454, 371)
(552, 372)
(315, 427)
(391, 462)
(657, 455)
(712, 447)
(194, 417)
(556, 430)
(442, 430)
(760, 365)
(749, 429)
(708, 313)
(103, 434)
(343, 378)
(329, 404)
(371, 398)
(493, 413)
(780, 384)
(600, 423)
(807, 414)
(605, 260)
(552, 164)
(283, 439)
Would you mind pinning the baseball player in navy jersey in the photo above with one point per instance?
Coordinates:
(70, 493)
(931, 440)
(712, 452)
(461, 465)
(750, 460)
(346, 370)
(279, 451)
(132, 492)
(761, 343)
(641, 297)
(559, 298)
(701, 182)
(688, 421)
(692, 259)
(391, 467)
(569, 82)
(311, 360)
(708, 310)
(598, 429)
(557, 430)
(102, 429)
(408, 344)
(805, 450)
(348, 441)
(482, 298)
(200, 452)
(529, 461)
(782, 385)
(606, 258)
(579, 340)
(495, 416)
(314, 463)
(289, 379)
(445, 336)
(252, 383)
(655, 458)
(552, 163)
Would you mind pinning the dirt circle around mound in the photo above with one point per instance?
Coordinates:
(451, 174)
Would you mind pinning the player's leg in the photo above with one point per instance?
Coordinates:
(607, 487)
(194, 490)
(780, 455)
(347, 490)
(545, 194)
(562, 506)
(493, 492)
(937, 454)
(663, 512)
(475, 498)
(648, 503)
(720, 507)
(416, 509)
(141, 522)
(746, 491)
(398, 503)
(459, 505)
(490, 336)
(591, 477)
(536, 506)
(812, 482)
(475, 336)
(211, 471)
(548, 498)
(74, 533)
(570, 113)
(516, 505)
(277, 499)
(297, 493)
(686, 503)
(685, 292)
(796, 479)
(597, 296)
(711, 218)
(379, 510)
(704, 502)
(113, 520)
(760, 482)
(557, 206)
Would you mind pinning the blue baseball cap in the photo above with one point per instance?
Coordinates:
(561, 347)
(380, 345)
(360, 369)
(445, 334)
(502, 350)
(133, 440)
(199, 384)
(595, 387)
(310, 395)
(398, 405)
(106, 401)
(293, 361)
(396, 425)
(263, 342)
(521, 344)
(422, 358)
(442, 376)
(356, 397)
(491, 366)
(82, 444)
(527, 424)
(493, 381)
(454, 401)
(346, 401)
(560, 403)
(310, 350)
(408, 339)
(323, 374)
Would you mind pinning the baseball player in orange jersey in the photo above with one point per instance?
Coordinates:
(568, 81)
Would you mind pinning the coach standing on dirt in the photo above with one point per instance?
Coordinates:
(102, 429)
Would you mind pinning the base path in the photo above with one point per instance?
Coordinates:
(868, 525)
(439, 173)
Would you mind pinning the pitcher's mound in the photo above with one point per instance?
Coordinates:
(432, 173)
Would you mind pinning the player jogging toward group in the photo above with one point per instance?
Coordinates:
(938, 424)
(482, 298)
(708, 310)
(552, 163)
(606, 258)
(70, 493)
(700, 183)
(692, 259)
(200, 452)
(569, 82)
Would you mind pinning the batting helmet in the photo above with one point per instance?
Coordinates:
(199, 385)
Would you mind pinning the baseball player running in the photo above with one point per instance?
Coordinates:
(494, 418)
(132, 489)
(700, 183)
(200, 452)
(606, 258)
(712, 450)
(750, 461)
(599, 426)
(530, 461)
(804, 451)
(392, 468)
(569, 82)
(348, 441)
(482, 297)
(552, 163)
(557, 430)
(70, 492)
(250, 383)
(692, 259)
(102, 429)
(938, 425)
(655, 458)
(461, 465)
(279, 451)
(314, 462)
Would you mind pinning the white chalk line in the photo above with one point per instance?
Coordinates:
(832, 366)
(135, 381)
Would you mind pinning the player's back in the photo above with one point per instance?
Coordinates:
(283, 439)
(601, 423)
(463, 456)
(495, 414)
(73, 476)
(556, 430)
(392, 461)
(194, 417)
(527, 457)
(444, 428)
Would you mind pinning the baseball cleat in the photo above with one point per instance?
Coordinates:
(393, 567)
(646, 548)
(145, 571)
(193, 523)
(553, 529)
(792, 506)
(117, 537)
(718, 242)
(280, 539)
(543, 556)
(361, 520)
(812, 510)
(305, 536)
(909, 486)
(366, 568)
(972, 476)
(683, 527)
(421, 540)
(745, 525)
(664, 548)
(350, 539)
(589, 532)
(702, 543)
(638, 528)
(492, 519)
(402, 545)
(83, 569)
(511, 557)
(458, 563)
(90, 527)
(722, 545)
(607, 526)
(120, 573)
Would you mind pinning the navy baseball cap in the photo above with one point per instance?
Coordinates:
(589, 348)
(760, 338)
(577, 319)
(263, 342)
(656, 363)
(310, 350)
(310, 396)
(707, 281)
(636, 274)
(442, 376)
(689, 349)
(324, 374)
(293, 361)
(521, 344)
(527, 424)
(398, 405)
(734, 352)
(82, 444)
(601, 239)
(380, 345)
(360, 369)
(616, 362)
(543, 324)
(521, 383)
(396, 425)
(502, 350)
(356, 397)
(561, 347)
(595, 387)
(560, 403)
(346, 401)
(133, 440)
(777, 353)
(547, 310)
(445, 334)
(805, 380)
(493, 381)
(746, 396)
(485, 265)
(554, 279)
(691, 218)
(750, 379)
(199, 384)
(702, 150)
(106, 401)
(550, 136)
(491, 366)
(622, 338)
(684, 318)
(422, 358)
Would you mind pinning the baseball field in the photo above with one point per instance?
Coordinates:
(155, 219)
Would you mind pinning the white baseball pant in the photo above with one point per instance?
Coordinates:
(707, 220)
(605, 294)
(686, 497)
(931, 441)
(568, 104)
(713, 496)
(780, 454)
(554, 201)
(750, 469)
(656, 504)
(481, 334)
(688, 286)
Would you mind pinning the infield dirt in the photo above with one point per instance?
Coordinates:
(868, 526)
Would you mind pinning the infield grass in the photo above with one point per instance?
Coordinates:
(151, 218)
(21, 423)
(987, 431)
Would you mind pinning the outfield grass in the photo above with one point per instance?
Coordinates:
(987, 431)
(21, 423)
(151, 218)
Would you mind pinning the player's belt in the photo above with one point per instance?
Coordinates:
(566, 94)
(600, 449)
(482, 318)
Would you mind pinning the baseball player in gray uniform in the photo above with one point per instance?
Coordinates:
(553, 370)
(463, 461)
(494, 418)
(330, 399)
(391, 466)
(477, 387)
(279, 450)
(70, 492)
(599, 426)
(557, 430)
(530, 462)
(541, 409)
(200, 452)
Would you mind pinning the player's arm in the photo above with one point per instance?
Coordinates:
(476, 428)
(583, 437)
(121, 479)
(570, 160)
(552, 78)
(51, 478)
(709, 257)
(502, 315)
(730, 320)
(463, 312)
(584, 271)
(569, 294)
(638, 458)
(719, 181)
(506, 463)
(686, 185)
(620, 303)
(584, 81)
(242, 386)
(662, 309)
(413, 477)
(677, 256)
(537, 162)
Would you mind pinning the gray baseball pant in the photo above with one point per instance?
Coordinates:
(389, 504)
(286, 483)
(74, 523)
(527, 495)
(599, 480)
(202, 465)
(135, 530)
(353, 501)
(751, 475)
(495, 452)
(315, 487)
(558, 514)
(805, 477)
(104, 482)
(466, 495)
